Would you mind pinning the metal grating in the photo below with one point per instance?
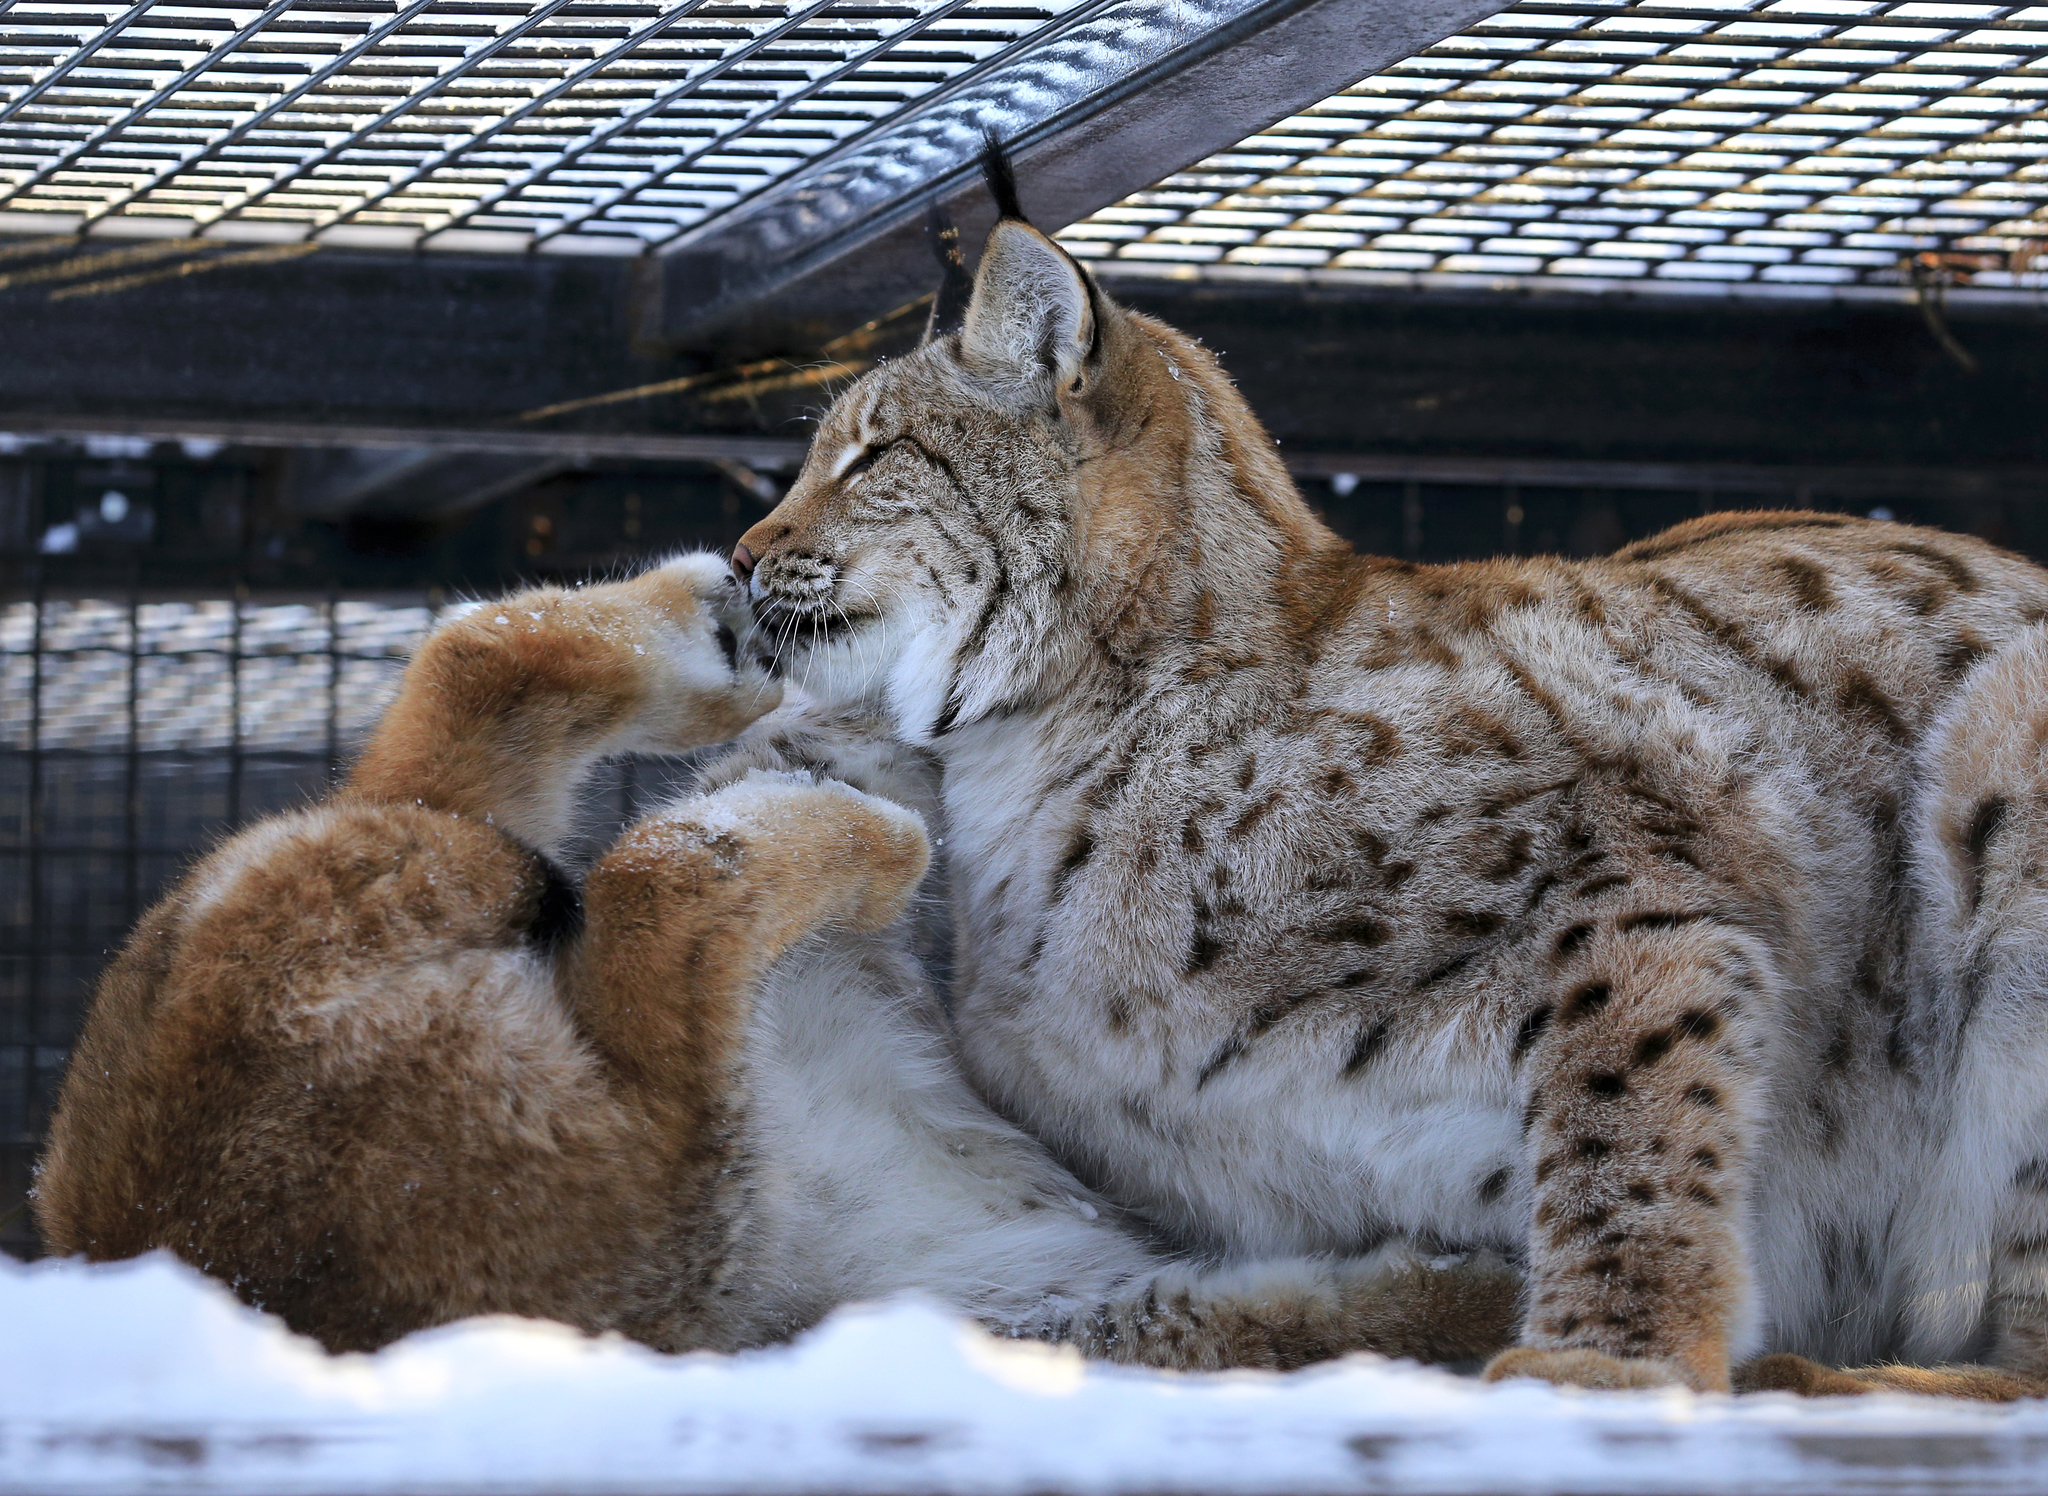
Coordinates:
(1807, 143)
(185, 676)
(588, 126)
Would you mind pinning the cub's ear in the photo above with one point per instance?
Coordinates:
(1031, 321)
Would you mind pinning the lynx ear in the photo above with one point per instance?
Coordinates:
(1031, 321)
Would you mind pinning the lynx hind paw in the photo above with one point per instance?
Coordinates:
(1796, 1374)
(1804, 1378)
(1458, 1309)
(826, 823)
(1582, 1368)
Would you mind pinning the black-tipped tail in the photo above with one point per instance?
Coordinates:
(1001, 178)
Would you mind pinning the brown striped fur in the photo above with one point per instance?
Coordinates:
(1581, 910)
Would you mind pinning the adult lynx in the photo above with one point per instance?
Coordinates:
(1674, 922)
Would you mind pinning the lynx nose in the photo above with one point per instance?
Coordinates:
(742, 562)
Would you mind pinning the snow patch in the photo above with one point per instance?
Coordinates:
(146, 1376)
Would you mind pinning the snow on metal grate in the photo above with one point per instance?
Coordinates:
(1803, 142)
(201, 675)
(575, 125)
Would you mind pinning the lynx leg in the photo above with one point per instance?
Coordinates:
(1980, 848)
(1641, 1103)
(711, 893)
(2019, 1277)
(502, 711)
(1982, 851)
(2003, 1084)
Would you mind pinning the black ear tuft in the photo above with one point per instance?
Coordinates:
(956, 286)
(1001, 179)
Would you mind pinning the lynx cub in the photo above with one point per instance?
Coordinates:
(379, 1065)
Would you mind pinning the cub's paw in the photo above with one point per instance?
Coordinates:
(692, 639)
(1582, 1368)
(1796, 1374)
(823, 828)
(659, 664)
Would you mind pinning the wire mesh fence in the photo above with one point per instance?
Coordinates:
(584, 125)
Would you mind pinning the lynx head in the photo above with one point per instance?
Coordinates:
(1026, 490)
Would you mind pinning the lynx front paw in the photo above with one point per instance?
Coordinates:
(504, 710)
(1580, 1368)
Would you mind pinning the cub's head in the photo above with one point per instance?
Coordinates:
(1024, 491)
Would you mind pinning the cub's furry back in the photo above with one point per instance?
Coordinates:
(378, 1064)
(1639, 917)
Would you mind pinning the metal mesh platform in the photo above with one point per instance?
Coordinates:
(1803, 143)
(1800, 143)
(576, 125)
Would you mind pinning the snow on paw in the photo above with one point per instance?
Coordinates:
(691, 633)
(824, 828)
(890, 843)
(1582, 1368)
(903, 827)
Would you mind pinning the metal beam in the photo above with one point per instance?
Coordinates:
(343, 349)
(1777, 386)
(406, 470)
(773, 453)
(1130, 93)
(355, 338)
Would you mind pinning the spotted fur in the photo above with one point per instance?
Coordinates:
(379, 1064)
(1618, 915)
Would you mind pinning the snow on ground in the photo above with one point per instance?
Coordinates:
(144, 1376)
